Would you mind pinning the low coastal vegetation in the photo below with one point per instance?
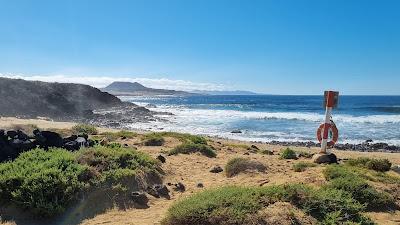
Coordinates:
(304, 154)
(50, 182)
(238, 165)
(190, 144)
(243, 205)
(122, 134)
(302, 166)
(84, 129)
(342, 200)
(47, 182)
(266, 152)
(185, 138)
(380, 165)
(153, 139)
(188, 148)
(288, 153)
(355, 182)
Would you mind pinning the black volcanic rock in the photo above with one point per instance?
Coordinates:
(136, 89)
(55, 100)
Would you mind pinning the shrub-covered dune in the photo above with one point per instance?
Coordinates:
(344, 199)
(46, 183)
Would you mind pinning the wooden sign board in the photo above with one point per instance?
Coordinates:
(331, 99)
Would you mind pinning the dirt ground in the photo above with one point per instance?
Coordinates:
(194, 169)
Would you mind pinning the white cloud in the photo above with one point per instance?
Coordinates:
(103, 81)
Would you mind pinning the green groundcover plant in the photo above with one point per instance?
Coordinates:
(46, 182)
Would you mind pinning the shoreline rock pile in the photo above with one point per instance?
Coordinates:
(367, 146)
(15, 142)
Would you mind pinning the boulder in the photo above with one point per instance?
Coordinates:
(151, 191)
(158, 190)
(216, 169)
(161, 158)
(396, 168)
(12, 133)
(22, 136)
(179, 187)
(254, 147)
(20, 146)
(46, 139)
(71, 146)
(236, 132)
(324, 158)
(81, 141)
(139, 198)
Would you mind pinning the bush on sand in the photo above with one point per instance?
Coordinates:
(84, 129)
(47, 182)
(238, 165)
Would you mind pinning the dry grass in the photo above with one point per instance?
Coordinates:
(239, 165)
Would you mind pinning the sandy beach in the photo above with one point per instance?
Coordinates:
(194, 169)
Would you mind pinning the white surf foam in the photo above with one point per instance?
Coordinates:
(236, 114)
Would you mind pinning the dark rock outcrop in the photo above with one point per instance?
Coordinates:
(161, 158)
(55, 100)
(362, 147)
(216, 169)
(13, 143)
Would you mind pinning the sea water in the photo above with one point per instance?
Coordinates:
(275, 117)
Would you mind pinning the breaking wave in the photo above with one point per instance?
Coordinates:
(313, 117)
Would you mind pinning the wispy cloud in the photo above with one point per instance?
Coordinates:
(102, 81)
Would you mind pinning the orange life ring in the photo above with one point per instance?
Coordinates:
(335, 133)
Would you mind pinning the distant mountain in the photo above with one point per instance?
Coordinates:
(55, 100)
(225, 92)
(136, 89)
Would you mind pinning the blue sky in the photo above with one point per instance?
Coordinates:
(278, 47)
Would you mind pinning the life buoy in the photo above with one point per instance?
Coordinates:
(333, 129)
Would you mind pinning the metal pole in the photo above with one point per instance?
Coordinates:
(325, 131)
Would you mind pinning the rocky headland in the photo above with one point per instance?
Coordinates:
(67, 102)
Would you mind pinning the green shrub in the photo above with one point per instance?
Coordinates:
(233, 205)
(43, 181)
(185, 138)
(380, 165)
(188, 148)
(303, 154)
(266, 152)
(361, 191)
(301, 166)
(325, 201)
(352, 181)
(238, 165)
(46, 182)
(153, 139)
(288, 154)
(107, 159)
(113, 136)
(337, 171)
(84, 129)
(114, 145)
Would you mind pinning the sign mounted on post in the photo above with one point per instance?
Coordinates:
(330, 101)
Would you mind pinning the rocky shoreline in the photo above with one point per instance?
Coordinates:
(120, 117)
(367, 146)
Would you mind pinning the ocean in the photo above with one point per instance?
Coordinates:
(275, 117)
